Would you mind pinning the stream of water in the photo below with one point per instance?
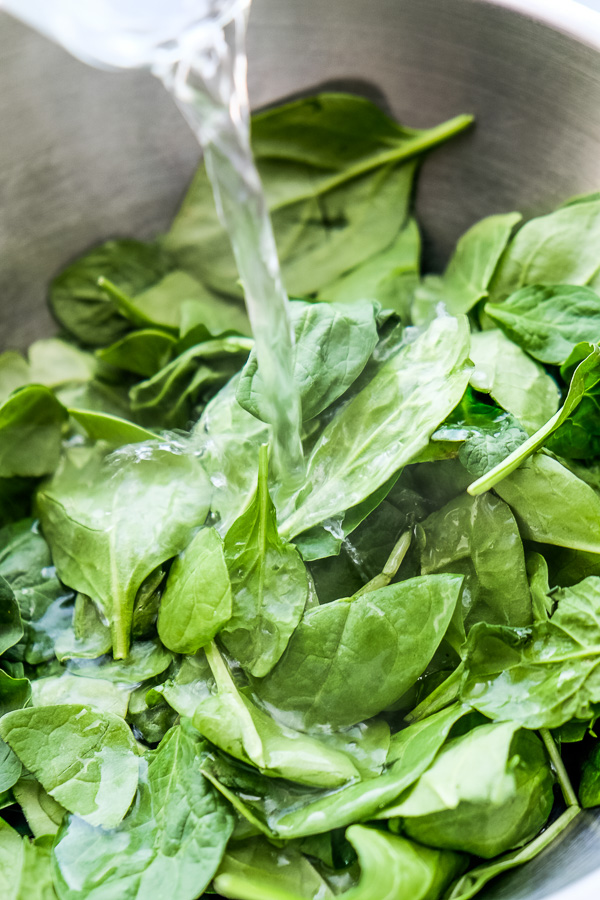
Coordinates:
(197, 48)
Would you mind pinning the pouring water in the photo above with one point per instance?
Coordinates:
(197, 48)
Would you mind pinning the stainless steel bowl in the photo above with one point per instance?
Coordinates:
(87, 155)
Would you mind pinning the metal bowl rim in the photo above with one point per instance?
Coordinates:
(568, 16)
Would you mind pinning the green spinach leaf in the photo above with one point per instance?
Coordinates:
(560, 248)
(333, 343)
(83, 308)
(390, 277)
(327, 679)
(479, 539)
(386, 425)
(516, 382)
(552, 505)
(268, 581)
(110, 522)
(171, 841)
(544, 676)
(197, 602)
(31, 425)
(548, 321)
(469, 272)
(503, 805)
(84, 759)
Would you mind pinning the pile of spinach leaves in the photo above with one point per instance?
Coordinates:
(382, 684)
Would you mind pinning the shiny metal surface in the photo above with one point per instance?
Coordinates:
(86, 155)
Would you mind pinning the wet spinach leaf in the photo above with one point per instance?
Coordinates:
(504, 806)
(385, 425)
(110, 522)
(197, 600)
(269, 583)
(521, 673)
(84, 759)
(172, 840)
(469, 272)
(333, 343)
(548, 321)
(325, 678)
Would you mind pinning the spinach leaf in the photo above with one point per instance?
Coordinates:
(11, 626)
(326, 679)
(292, 814)
(197, 602)
(230, 721)
(168, 398)
(389, 277)
(385, 425)
(44, 604)
(552, 505)
(14, 373)
(64, 689)
(56, 362)
(537, 573)
(335, 189)
(585, 379)
(146, 659)
(228, 437)
(44, 815)
(268, 582)
(391, 866)
(89, 636)
(560, 248)
(479, 539)
(332, 345)
(143, 352)
(472, 881)
(257, 869)
(14, 692)
(515, 381)
(180, 302)
(114, 431)
(83, 308)
(10, 767)
(110, 522)
(25, 871)
(488, 791)
(548, 321)
(52, 362)
(85, 759)
(543, 677)
(469, 272)
(31, 425)
(172, 840)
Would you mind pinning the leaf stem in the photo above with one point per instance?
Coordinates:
(127, 307)
(444, 694)
(559, 767)
(391, 567)
(412, 146)
(575, 394)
